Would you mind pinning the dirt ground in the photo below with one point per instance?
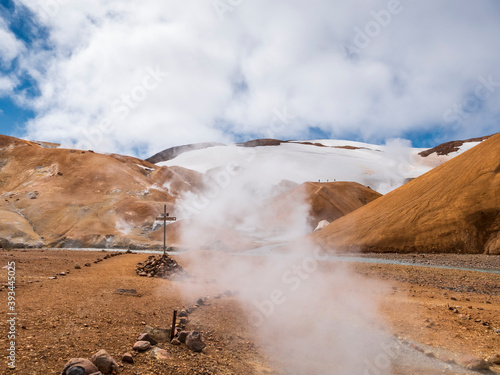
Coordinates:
(444, 313)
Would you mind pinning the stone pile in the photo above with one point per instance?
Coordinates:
(163, 267)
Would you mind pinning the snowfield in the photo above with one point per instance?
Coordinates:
(382, 167)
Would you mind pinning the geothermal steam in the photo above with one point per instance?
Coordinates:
(310, 315)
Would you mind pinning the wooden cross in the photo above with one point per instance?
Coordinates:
(164, 216)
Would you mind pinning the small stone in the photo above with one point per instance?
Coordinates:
(175, 341)
(430, 354)
(200, 302)
(77, 266)
(127, 358)
(473, 363)
(52, 277)
(142, 346)
(148, 338)
(104, 362)
(194, 341)
(181, 336)
(32, 195)
(158, 334)
(446, 359)
(62, 274)
(128, 292)
(87, 264)
(183, 314)
(495, 359)
(161, 354)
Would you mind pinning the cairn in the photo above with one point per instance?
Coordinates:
(163, 267)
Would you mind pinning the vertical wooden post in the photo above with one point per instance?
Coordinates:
(164, 229)
(172, 331)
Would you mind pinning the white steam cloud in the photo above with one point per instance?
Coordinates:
(310, 316)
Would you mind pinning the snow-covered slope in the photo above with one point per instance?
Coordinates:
(382, 167)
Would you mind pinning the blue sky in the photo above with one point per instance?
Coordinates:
(137, 78)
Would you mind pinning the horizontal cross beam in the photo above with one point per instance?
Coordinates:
(166, 218)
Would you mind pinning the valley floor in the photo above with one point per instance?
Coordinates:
(429, 312)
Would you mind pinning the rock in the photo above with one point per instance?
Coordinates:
(79, 366)
(104, 362)
(158, 334)
(33, 194)
(77, 266)
(161, 354)
(175, 341)
(194, 342)
(183, 314)
(200, 302)
(128, 292)
(495, 359)
(148, 338)
(473, 363)
(430, 354)
(127, 358)
(88, 264)
(142, 346)
(181, 336)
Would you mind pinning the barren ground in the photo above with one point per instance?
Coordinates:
(448, 312)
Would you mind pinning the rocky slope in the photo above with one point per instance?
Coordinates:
(455, 208)
(62, 197)
(327, 200)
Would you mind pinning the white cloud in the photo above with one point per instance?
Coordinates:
(230, 76)
(10, 47)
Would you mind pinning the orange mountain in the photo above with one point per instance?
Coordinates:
(454, 208)
(72, 198)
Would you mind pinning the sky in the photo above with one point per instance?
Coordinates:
(138, 77)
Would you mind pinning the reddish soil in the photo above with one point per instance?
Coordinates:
(78, 314)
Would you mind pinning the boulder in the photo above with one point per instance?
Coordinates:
(79, 366)
(194, 341)
(104, 362)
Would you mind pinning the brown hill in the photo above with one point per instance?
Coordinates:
(454, 208)
(84, 199)
(449, 147)
(327, 200)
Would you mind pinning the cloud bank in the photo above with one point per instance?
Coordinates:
(139, 77)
